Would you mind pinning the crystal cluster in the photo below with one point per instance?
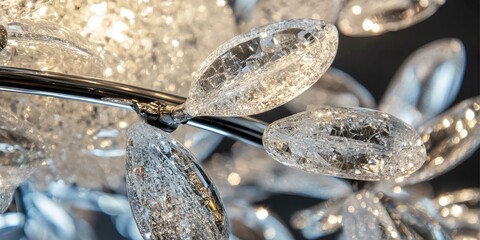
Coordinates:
(346, 142)
(427, 82)
(371, 17)
(170, 195)
(156, 45)
(263, 68)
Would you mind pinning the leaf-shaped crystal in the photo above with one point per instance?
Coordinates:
(460, 209)
(21, 150)
(320, 220)
(371, 17)
(449, 139)
(354, 143)
(269, 11)
(6, 196)
(427, 82)
(336, 89)
(170, 196)
(263, 68)
(251, 222)
(364, 217)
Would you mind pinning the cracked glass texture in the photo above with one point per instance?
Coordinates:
(270, 11)
(263, 68)
(370, 17)
(16, 9)
(336, 89)
(355, 143)
(6, 196)
(449, 139)
(320, 220)
(427, 82)
(159, 42)
(170, 195)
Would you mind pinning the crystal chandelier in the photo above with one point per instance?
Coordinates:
(108, 99)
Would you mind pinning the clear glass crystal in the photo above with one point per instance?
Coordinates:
(335, 88)
(270, 11)
(354, 143)
(449, 139)
(170, 195)
(371, 17)
(263, 68)
(427, 82)
(319, 220)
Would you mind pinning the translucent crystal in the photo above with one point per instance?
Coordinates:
(370, 17)
(6, 196)
(335, 88)
(270, 11)
(249, 172)
(364, 217)
(170, 195)
(22, 150)
(200, 142)
(16, 9)
(460, 209)
(352, 143)
(450, 138)
(427, 82)
(263, 68)
(155, 44)
(319, 220)
(249, 222)
(152, 44)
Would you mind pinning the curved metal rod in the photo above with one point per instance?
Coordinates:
(98, 91)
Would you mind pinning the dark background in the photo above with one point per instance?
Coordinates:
(373, 61)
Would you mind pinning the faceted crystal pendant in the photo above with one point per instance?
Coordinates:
(319, 220)
(354, 143)
(170, 195)
(263, 68)
(427, 82)
(270, 11)
(336, 89)
(371, 17)
(449, 139)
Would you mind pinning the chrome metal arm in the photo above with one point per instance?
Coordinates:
(98, 91)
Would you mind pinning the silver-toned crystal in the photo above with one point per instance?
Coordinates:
(263, 68)
(427, 82)
(460, 209)
(250, 173)
(371, 17)
(270, 11)
(319, 220)
(336, 89)
(249, 222)
(364, 217)
(170, 195)
(354, 143)
(450, 138)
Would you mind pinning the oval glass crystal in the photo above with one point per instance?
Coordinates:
(427, 82)
(354, 143)
(263, 68)
(371, 17)
(170, 195)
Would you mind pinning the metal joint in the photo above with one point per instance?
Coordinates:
(164, 116)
